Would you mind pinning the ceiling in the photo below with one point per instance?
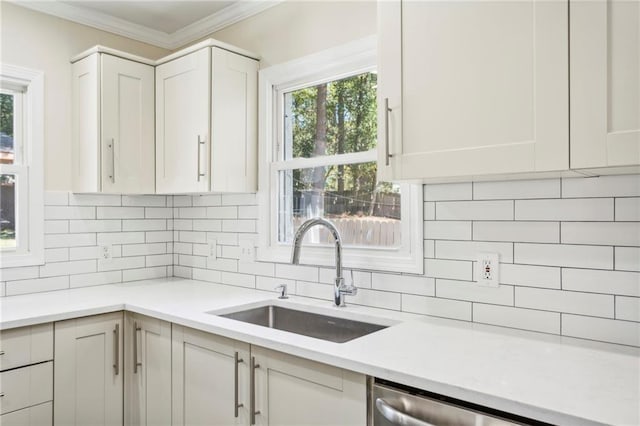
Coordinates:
(164, 23)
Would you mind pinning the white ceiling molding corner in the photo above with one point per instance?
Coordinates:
(229, 15)
(219, 20)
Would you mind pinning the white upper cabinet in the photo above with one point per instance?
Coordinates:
(206, 123)
(472, 88)
(234, 122)
(182, 123)
(605, 83)
(113, 125)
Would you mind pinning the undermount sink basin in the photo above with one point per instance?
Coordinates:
(338, 330)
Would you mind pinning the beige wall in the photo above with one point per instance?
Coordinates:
(38, 41)
(297, 28)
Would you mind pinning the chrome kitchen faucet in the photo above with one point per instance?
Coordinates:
(340, 289)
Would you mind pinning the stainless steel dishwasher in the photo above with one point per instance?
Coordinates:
(390, 404)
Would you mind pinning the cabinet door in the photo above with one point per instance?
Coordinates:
(605, 83)
(127, 126)
(293, 391)
(182, 124)
(38, 415)
(205, 379)
(484, 86)
(88, 371)
(147, 370)
(234, 121)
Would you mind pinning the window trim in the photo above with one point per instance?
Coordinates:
(350, 59)
(32, 84)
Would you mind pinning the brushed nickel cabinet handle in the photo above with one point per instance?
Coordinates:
(112, 147)
(116, 349)
(237, 360)
(387, 110)
(1, 352)
(136, 363)
(200, 142)
(252, 385)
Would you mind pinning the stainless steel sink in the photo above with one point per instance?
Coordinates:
(324, 327)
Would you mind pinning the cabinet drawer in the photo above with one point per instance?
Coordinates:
(25, 387)
(26, 345)
(39, 415)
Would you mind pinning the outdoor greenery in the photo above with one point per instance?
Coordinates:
(6, 114)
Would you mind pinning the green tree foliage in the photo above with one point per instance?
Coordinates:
(351, 126)
(6, 114)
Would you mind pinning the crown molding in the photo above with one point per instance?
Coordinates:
(199, 29)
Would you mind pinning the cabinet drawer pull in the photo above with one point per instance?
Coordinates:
(252, 390)
(200, 142)
(116, 350)
(238, 360)
(1, 394)
(1, 352)
(136, 363)
(387, 110)
(112, 147)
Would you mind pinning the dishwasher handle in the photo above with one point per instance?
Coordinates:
(398, 417)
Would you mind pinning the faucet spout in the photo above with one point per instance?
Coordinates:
(339, 288)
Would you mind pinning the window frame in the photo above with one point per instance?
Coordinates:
(339, 62)
(30, 172)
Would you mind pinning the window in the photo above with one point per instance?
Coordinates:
(320, 136)
(21, 187)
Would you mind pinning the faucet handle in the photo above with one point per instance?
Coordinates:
(350, 289)
(283, 291)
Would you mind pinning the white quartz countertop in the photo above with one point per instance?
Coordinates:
(548, 378)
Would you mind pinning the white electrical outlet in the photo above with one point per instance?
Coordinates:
(488, 269)
(247, 251)
(212, 249)
(106, 253)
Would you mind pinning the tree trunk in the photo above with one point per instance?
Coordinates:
(341, 135)
(320, 148)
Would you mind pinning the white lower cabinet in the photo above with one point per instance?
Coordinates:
(220, 381)
(88, 378)
(38, 415)
(147, 371)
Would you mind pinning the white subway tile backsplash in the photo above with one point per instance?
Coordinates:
(602, 329)
(158, 213)
(248, 212)
(447, 230)
(230, 212)
(56, 226)
(158, 236)
(517, 189)
(191, 212)
(96, 278)
(527, 319)
(186, 272)
(376, 299)
(595, 257)
(23, 273)
(56, 255)
(69, 212)
(243, 225)
(597, 281)
(269, 284)
(474, 210)
(627, 258)
(257, 268)
(432, 306)
(297, 272)
(144, 249)
(94, 200)
(602, 186)
(183, 224)
(404, 284)
(67, 268)
(207, 225)
(224, 238)
(192, 261)
(144, 225)
(159, 260)
(530, 276)
(36, 285)
(601, 233)
(448, 191)
(144, 273)
(452, 269)
(120, 263)
(429, 211)
(242, 280)
(182, 200)
(206, 275)
(238, 199)
(120, 212)
(192, 237)
(586, 209)
(472, 292)
(628, 308)
(206, 200)
(314, 289)
(69, 240)
(599, 305)
(120, 238)
(628, 209)
(524, 232)
(228, 265)
(145, 200)
(86, 225)
(468, 250)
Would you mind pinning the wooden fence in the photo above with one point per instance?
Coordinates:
(362, 231)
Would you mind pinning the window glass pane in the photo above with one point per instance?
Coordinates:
(7, 105)
(7, 211)
(331, 118)
(365, 212)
